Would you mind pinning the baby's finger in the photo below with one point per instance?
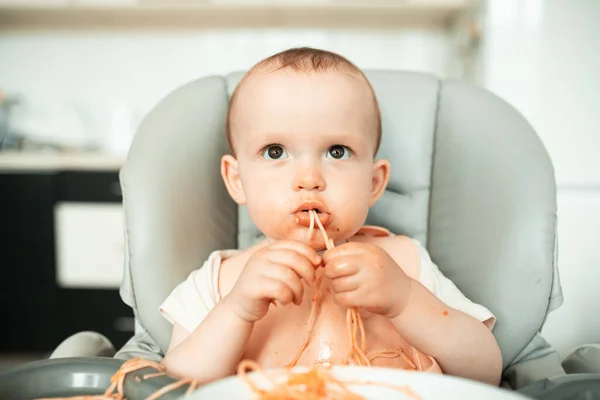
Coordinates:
(340, 267)
(300, 248)
(289, 278)
(295, 262)
(347, 249)
(345, 284)
(347, 299)
(277, 290)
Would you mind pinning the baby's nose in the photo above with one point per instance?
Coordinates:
(309, 179)
(309, 185)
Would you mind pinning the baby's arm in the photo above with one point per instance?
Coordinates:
(213, 350)
(215, 347)
(462, 345)
(366, 276)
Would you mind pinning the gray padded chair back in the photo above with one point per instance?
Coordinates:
(470, 179)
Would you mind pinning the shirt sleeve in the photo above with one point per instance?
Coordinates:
(191, 301)
(444, 289)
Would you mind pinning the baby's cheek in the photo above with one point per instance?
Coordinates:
(259, 214)
(347, 231)
(344, 230)
(270, 220)
(263, 215)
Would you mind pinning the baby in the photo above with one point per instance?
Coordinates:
(304, 128)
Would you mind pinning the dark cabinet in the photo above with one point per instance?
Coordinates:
(37, 312)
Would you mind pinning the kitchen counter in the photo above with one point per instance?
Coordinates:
(31, 161)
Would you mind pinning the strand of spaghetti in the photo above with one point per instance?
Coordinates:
(154, 375)
(343, 386)
(120, 388)
(111, 388)
(246, 365)
(192, 387)
(118, 379)
(277, 391)
(361, 326)
(355, 357)
(353, 342)
(135, 364)
(357, 349)
(391, 354)
(241, 372)
(308, 386)
(328, 242)
(310, 323)
(315, 301)
(354, 329)
(319, 383)
(420, 368)
(169, 387)
(383, 355)
(409, 362)
(311, 225)
(350, 336)
(131, 366)
(311, 385)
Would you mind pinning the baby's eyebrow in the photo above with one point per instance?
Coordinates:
(269, 136)
(355, 140)
(346, 137)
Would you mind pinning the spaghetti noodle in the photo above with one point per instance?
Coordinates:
(316, 383)
(116, 390)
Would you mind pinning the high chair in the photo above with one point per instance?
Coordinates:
(470, 179)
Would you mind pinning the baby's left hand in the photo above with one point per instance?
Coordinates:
(365, 276)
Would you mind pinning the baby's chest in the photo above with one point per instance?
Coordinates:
(281, 337)
(278, 337)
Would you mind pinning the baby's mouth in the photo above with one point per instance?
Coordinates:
(303, 217)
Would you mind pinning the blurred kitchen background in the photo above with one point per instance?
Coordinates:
(77, 76)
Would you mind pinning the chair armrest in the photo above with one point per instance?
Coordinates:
(571, 387)
(584, 359)
(84, 344)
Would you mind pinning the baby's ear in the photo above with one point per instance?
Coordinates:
(231, 177)
(381, 176)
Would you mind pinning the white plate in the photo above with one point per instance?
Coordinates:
(426, 386)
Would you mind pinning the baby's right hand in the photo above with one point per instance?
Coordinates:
(273, 273)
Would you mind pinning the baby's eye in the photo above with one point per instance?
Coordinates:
(338, 152)
(274, 152)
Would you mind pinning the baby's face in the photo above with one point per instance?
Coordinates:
(305, 142)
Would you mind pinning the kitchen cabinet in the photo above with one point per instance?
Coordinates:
(31, 316)
(61, 257)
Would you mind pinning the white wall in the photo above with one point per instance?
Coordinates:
(116, 76)
(543, 57)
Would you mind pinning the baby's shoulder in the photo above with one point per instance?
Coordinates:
(401, 248)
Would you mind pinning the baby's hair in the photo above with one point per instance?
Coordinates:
(306, 60)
